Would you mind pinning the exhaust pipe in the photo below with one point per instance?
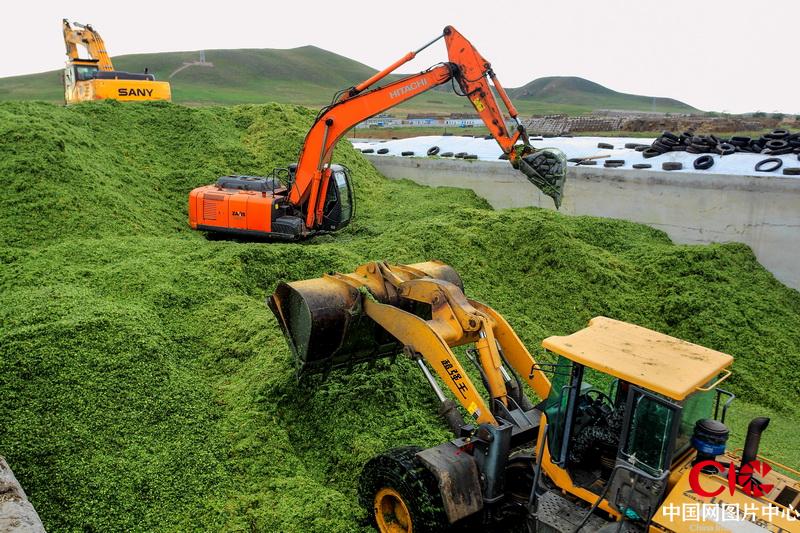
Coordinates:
(753, 439)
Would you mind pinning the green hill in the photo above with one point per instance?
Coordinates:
(579, 91)
(146, 387)
(311, 76)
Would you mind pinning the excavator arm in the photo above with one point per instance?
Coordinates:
(466, 66)
(87, 36)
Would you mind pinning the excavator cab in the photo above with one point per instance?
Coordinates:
(339, 206)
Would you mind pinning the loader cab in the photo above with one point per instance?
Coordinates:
(624, 402)
(339, 206)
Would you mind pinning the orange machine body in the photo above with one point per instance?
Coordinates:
(318, 196)
(259, 206)
(213, 208)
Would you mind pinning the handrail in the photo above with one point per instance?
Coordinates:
(726, 374)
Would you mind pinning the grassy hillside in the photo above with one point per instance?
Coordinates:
(145, 385)
(311, 76)
(578, 91)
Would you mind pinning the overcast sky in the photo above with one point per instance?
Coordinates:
(733, 55)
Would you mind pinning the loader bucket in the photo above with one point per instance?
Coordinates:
(323, 321)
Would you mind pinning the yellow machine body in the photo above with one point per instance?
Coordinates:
(93, 77)
(382, 309)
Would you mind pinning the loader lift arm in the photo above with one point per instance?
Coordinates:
(356, 104)
(455, 321)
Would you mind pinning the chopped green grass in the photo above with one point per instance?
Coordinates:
(145, 385)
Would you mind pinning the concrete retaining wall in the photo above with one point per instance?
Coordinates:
(17, 515)
(762, 212)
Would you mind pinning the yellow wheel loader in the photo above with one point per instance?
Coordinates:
(627, 432)
(94, 78)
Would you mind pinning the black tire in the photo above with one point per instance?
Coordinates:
(433, 150)
(611, 164)
(778, 134)
(400, 470)
(776, 144)
(588, 162)
(776, 164)
(642, 165)
(704, 162)
(605, 146)
(642, 147)
(661, 147)
(446, 154)
(407, 153)
(504, 157)
(470, 156)
(791, 171)
(383, 150)
(368, 150)
(666, 141)
(725, 149)
(621, 161)
(670, 135)
(782, 151)
(740, 141)
(671, 165)
(488, 137)
(461, 155)
(650, 152)
(631, 146)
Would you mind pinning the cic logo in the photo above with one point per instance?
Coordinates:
(744, 478)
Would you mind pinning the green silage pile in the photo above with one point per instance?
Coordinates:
(144, 385)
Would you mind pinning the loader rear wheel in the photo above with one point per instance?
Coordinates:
(400, 494)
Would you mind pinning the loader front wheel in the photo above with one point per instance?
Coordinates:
(400, 494)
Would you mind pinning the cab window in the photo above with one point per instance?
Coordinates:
(343, 185)
(696, 407)
(648, 438)
(85, 72)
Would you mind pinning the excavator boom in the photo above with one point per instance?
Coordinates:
(316, 195)
(85, 35)
(472, 73)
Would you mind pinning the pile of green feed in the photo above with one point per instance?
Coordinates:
(144, 385)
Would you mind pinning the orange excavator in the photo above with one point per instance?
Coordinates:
(314, 195)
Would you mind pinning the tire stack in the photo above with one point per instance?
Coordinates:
(777, 142)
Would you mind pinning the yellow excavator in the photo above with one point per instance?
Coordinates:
(94, 78)
(628, 433)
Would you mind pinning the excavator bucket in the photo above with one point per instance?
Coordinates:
(323, 321)
(547, 169)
